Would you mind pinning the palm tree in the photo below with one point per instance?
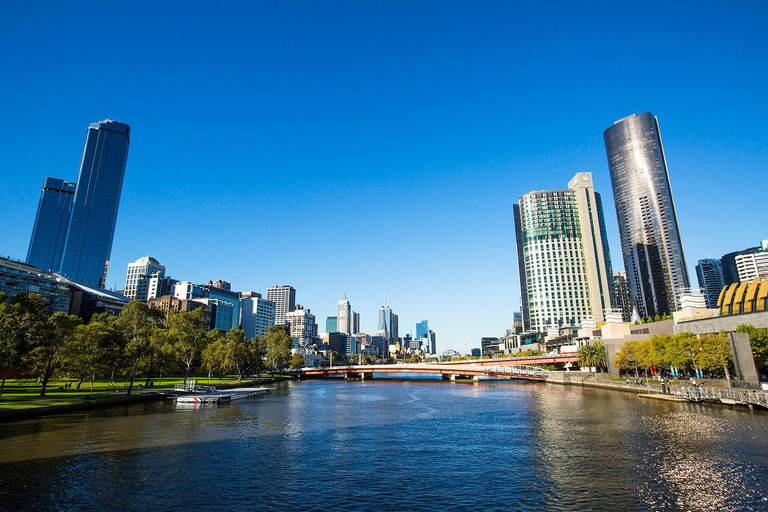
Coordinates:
(593, 355)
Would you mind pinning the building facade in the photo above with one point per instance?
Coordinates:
(752, 265)
(728, 263)
(51, 222)
(622, 295)
(648, 228)
(301, 323)
(386, 324)
(284, 297)
(566, 269)
(138, 275)
(709, 273)
(330, 324)
(256, 314)
(343, 315)
(422, 329)
(95, 204)
(17, 277)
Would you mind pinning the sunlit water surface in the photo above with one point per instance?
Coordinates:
(393, 445)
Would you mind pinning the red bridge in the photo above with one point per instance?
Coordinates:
(511, 368)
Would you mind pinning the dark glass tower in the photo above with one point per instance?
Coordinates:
(50, 232)
(94, 209)
(650, 237)
(709, 273)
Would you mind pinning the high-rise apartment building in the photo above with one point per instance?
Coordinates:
(650, 236)
(709, 273)
(750, 266)
(138, 276)
(51, 222)
(284, 297)
(622, 296)
(566, 270)
(97, 198)
(728, 264)
(301, 324)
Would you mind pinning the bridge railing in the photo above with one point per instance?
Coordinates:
(516, 370)
(698, 394)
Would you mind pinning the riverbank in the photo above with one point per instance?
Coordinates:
(70, 403)
(671, 387)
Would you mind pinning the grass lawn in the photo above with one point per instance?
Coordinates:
(25, 393)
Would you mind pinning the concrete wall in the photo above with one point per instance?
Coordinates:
(723, 323)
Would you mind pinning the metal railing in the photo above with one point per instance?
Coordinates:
(697, 394)
(516, 370)
(193, 387)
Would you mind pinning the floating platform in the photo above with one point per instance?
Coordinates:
(203, 399)
(668, 398)
(215, 398)
(240, 393)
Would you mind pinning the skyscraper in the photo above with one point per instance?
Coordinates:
(422, 329)
(566, 268)
(386, 324)
(650, 236)
(709, 273)
(622, 296)
(728, 264)
(344, 315)
(96, 201)
(331, 324)
(284, 297)
(51, 222)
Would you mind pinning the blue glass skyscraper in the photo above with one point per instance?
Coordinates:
(97, 197)
(422, 330)
(50, 232)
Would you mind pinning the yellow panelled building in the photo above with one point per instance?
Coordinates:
(744, 297)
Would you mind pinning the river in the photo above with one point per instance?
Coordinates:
(391, 444)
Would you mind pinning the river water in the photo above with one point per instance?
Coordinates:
(392, 444)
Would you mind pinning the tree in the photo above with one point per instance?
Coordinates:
(715, 353)
(758, 338)
(297, 361)
(137, 322)
(86, 350)
(187, 333)
(213, 353)
(237, 352)
(278, 343)
(17, 317)
(48, 346)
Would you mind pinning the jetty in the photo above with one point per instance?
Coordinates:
(194, 393)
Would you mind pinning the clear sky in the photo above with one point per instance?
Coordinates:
(379, 146)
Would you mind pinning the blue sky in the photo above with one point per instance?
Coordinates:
(379, 146)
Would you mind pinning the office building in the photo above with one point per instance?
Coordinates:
(138, 275)
(95, 204)
(566, 270)
(709, 273)
(337, 342)
(331, 324)
(17, 277)
(284, 297)
(422, 328)
(302, 327)
(354, 322)
(386, 324)
(650, 236)
(256, 314)
(432, 342)
(343, 315)
(51, 222)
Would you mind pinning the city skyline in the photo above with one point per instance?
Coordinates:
(414, 147)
